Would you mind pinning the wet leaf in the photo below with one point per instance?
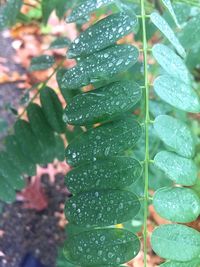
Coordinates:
(85, 8)
(169, 6)
(177, 204)
(177, 94)
(180, 170)
(176, 242)
(192, 263)
(47, 7)
(109, 173)
(9, 12)
(102, 104)
(52, 109)
(107, 140)
(103, 34)
(164, 27)
(100, 66)
(102, 247)
(175, 134)
(171, 62)
(102, 207)
(60, 42)
(24, 164)
(191, 28)
(41, 63)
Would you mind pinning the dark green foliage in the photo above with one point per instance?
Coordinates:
(41, 63)
(102, 104)
(102, 246)
(108, 173)
(107, 140)
(52, 109)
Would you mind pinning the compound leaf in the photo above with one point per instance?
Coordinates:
(102, 104)
(177, 204)
(175, 134)
(107, 140)
(176, 242)
(180, 170)
(171, 62)
(86, 7)
(41, 63)
(102, 247)
(52, 109)
(102, 207)
(109, 173)
(103, 34)
(102, 65)
(177, 94)
(164, 27)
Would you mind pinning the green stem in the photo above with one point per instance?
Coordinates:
(41, 86)
(147, 121)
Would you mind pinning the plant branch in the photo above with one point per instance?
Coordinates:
(147, 122)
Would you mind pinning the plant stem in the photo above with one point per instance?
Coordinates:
(147, 121)
(41, 86)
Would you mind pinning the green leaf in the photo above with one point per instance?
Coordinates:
(102, 104)
(10, 172)
(177, 204)
(171, 62)
(163, 26)
(86, 7)
(15, 153)
(102, 247)
(175, 134)
(177, 94)
(102, 207)
(42, 130)
(9, 13)
(180, 170)
(176, 242)
(59, 149)
(52, 109)
(103, 34)
(191, 27)
(47, 7)
(107, 140)
(169, 6)
(7, 193)
(28, 142)
(102, 65)
(109, 173)
(60, 42)
(41, 63)
(192, 263)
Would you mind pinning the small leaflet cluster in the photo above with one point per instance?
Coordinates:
(34, 142)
